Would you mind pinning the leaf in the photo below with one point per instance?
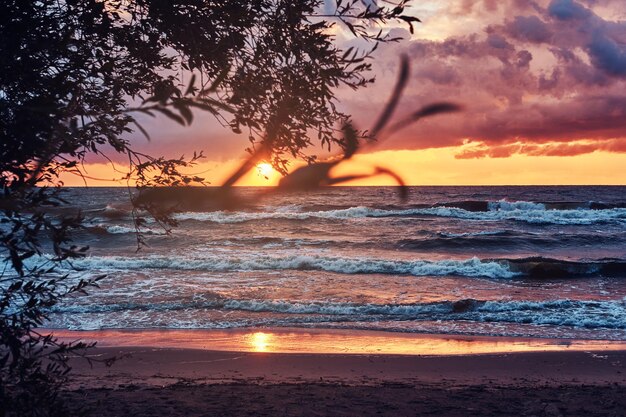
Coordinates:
(217, 81)
(168, 113)
(351, 142)
(395, 97)
(145, 133)
(351, 27)
(190, 88)
(410, 19)
(426, 111)
(204, 106)
(183, 108)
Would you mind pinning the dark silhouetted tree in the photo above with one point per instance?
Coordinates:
(74, 76)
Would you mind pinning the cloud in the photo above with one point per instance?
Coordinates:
(483, 150)
(535, 77)
(608, 55)
(568, 10)
(439, 73)
(530, 29)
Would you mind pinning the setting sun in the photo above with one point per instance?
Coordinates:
(265, 170)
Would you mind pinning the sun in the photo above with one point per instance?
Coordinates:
(265, 170)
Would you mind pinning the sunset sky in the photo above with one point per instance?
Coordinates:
(543, 84)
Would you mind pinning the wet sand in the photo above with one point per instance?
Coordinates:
(156, 380)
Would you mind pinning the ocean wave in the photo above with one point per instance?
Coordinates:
(534, 267)
(269, 241)
(244, 216)
(116, 229)
(574, 313)
(473, 267)
(534, 216)
(111, 212)
(504, 205)
(508, 205)
(509, 240)
(475, 234)
(540, 267)
(518, 211)
(500, 205)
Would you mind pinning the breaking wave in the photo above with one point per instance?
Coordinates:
(509, 240)
(473, 267)
(574, 313)
(116, 229)
(528, 212)
(534, 267)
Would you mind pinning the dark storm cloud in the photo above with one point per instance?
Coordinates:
(608, 55)
(568, 10)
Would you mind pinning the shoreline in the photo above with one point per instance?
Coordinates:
(294, 355)
(166, 367)
(196, 378)
(330, 341)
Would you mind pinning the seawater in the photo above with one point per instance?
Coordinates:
(511, 261)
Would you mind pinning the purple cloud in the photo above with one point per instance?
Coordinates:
(546, 73)
(530, 29)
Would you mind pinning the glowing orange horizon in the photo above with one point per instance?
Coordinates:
(422, 167)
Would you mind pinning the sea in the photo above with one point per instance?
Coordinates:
(536, 261)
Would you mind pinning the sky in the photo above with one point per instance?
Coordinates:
(542, 83)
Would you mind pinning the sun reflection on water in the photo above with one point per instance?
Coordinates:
(318, 341)
(260, 342)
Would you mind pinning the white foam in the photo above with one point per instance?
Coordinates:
(588, 314)
(338, 309)
(473, 267)
(243, 216)
(518, 211)
(472, 234)
(504, 205)
(534, 216)
(571, 313)
(118, 230)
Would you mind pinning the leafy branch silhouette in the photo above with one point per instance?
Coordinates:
(309, 177)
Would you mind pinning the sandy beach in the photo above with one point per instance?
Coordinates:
(230, 378)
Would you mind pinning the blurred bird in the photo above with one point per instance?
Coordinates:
(318, 174)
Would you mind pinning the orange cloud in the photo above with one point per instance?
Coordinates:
(484, 150)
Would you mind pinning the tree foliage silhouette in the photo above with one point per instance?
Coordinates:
(76, 74)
